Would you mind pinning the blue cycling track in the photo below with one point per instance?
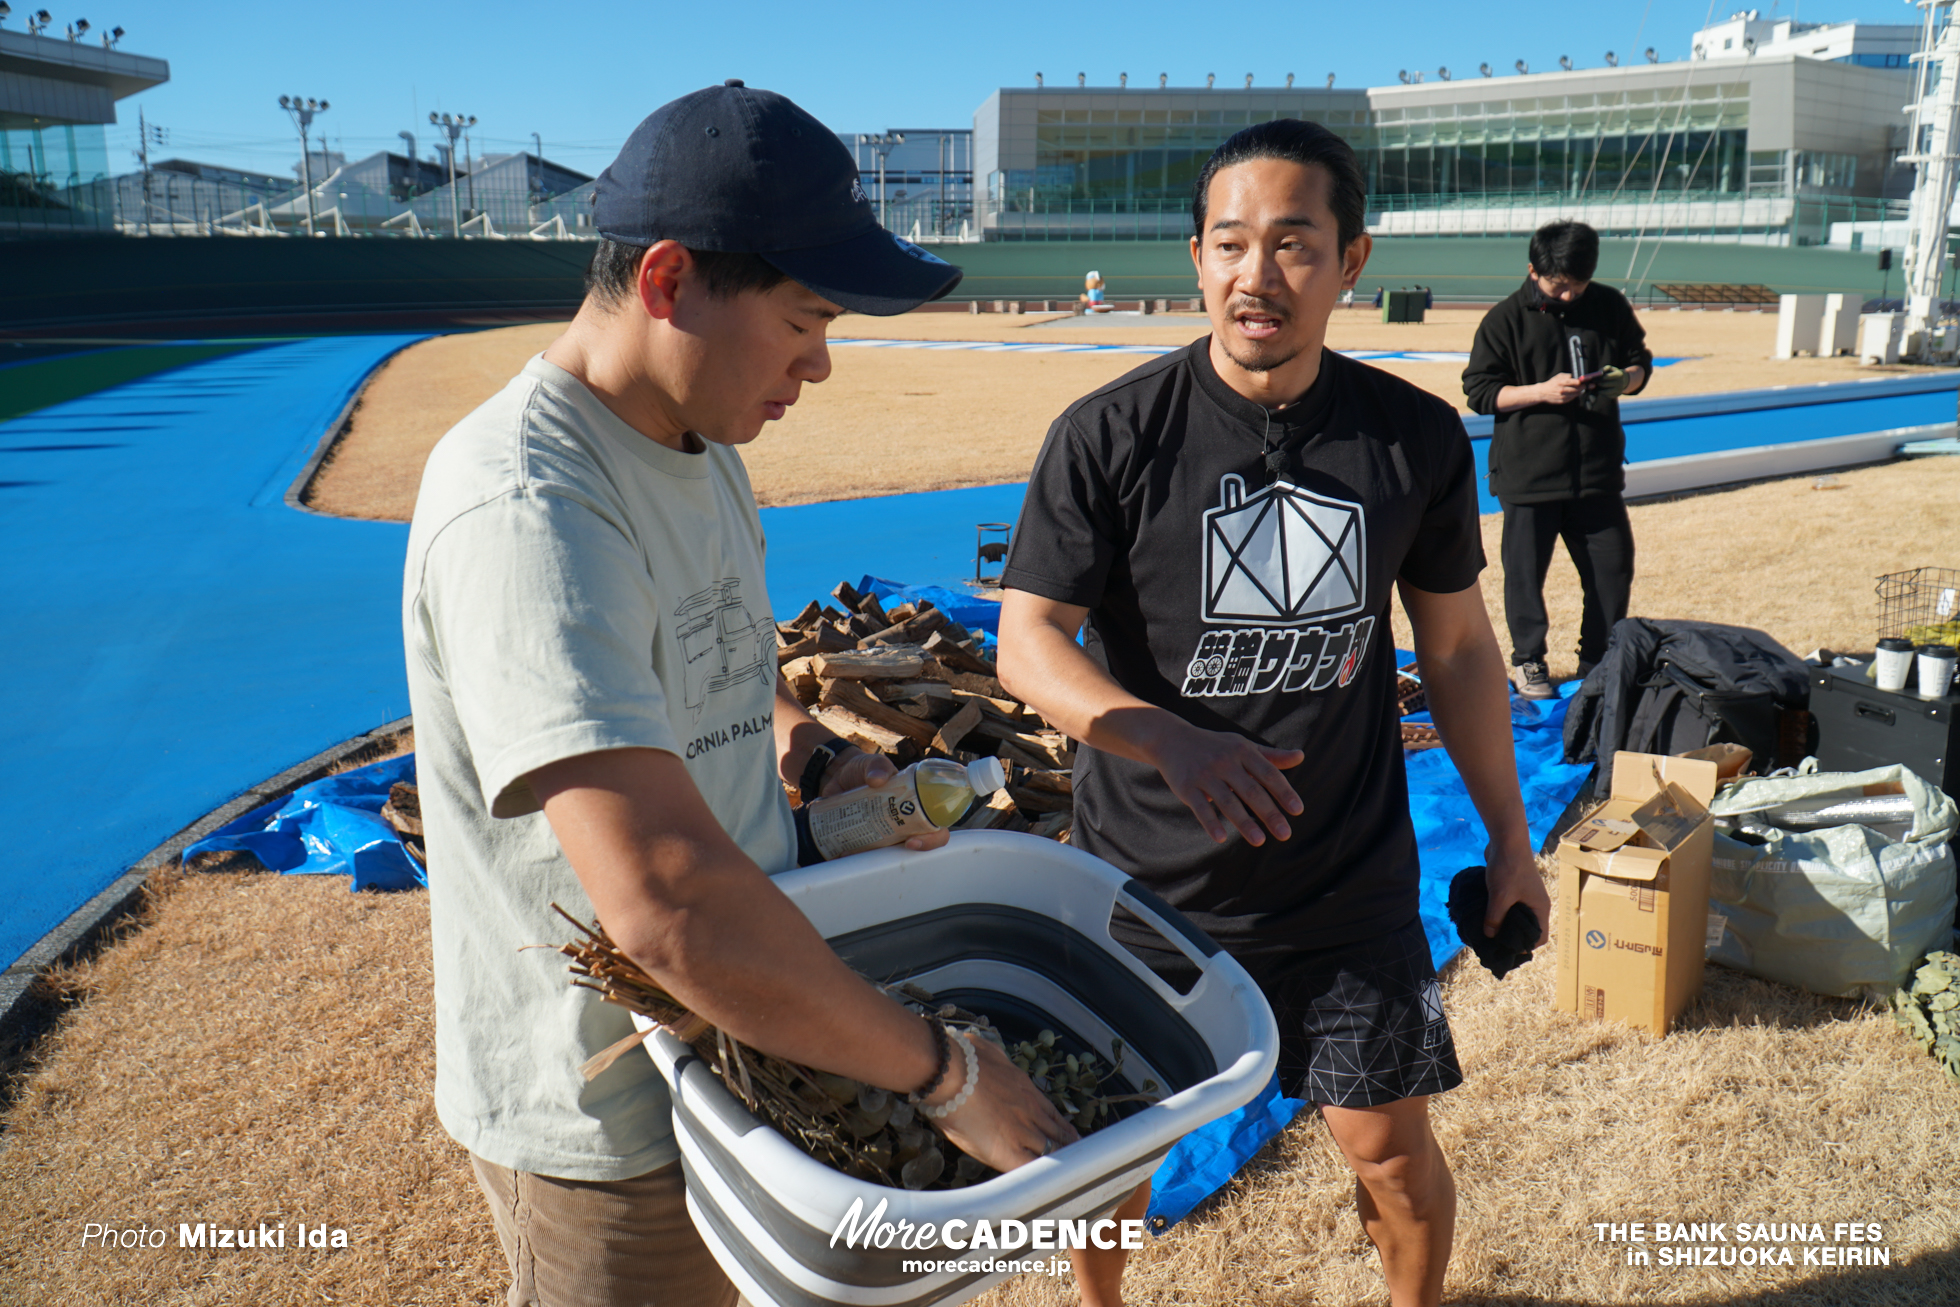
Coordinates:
(176, 632)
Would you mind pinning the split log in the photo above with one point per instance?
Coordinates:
(866, 735)
(887, 663)
(1055, 826)
(1006, 709)
(902, 613)
(910, 631)
(957, 656)
(812, 614)
(997, 813)
(832, 640)
(1039, 802)
(854, 698)
(847, 595)
(1047, 751)
(938, 691)
(1415, 736)
(954, 731)
(870, 608)
(803, 648)
(801, 676)
(1050, 782)
(968, 681)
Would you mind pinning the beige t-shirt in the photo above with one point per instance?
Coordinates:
(572, 586)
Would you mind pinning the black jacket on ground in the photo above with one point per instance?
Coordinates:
(1555, 451)
(1670, 686)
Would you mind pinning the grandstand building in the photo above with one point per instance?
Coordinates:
(56, 96)
(1770, 132)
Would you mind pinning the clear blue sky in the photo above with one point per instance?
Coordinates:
(582, 75)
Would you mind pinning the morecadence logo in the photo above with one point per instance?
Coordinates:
(859, 1229)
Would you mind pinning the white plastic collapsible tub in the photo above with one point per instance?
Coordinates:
(1017, 928)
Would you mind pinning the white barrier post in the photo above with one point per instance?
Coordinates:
(1838, 333)
(1799, 318)
(1879, 338)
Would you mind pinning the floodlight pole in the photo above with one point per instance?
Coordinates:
(454, 127)
(302, 111)
(884, 143)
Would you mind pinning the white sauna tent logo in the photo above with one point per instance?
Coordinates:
(1283, 556)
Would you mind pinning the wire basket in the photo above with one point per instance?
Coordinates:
(1922, 605)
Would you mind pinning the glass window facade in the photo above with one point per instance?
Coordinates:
(1629, 142)
(54, 177)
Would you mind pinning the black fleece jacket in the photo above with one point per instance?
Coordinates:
(1550, 452)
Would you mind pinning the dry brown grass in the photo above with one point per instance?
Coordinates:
(1769, 1105)
(900, 419)
(261, 1051)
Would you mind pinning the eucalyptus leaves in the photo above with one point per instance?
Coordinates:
(1930, 1009)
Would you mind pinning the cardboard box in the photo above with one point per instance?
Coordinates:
(1632, 914)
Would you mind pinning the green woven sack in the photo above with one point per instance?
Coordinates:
(1846, 910)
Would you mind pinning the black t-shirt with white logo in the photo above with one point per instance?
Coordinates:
(1252, 600)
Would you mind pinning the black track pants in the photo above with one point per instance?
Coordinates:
(1599, 538)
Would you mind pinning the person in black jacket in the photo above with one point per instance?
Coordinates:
(1551, 362)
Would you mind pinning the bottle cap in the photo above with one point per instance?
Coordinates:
(986, 775)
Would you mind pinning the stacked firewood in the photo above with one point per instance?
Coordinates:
(912, 683)
(1411, 698)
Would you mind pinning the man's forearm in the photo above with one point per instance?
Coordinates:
(684, 902)
(1044, 667)
(1512, 398)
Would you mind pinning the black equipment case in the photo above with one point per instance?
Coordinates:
(1861, 726)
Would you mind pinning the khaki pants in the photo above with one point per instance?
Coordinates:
(588, 1243)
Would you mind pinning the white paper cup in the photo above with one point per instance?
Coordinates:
(1936, 669)
(1893, 663)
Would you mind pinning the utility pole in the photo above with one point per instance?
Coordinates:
(302, 111)
(143, 153)
(469, 163)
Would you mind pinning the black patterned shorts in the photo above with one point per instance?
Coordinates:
(1360, 1025)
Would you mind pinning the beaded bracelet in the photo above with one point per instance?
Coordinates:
(957, 1101)
(942, 1052)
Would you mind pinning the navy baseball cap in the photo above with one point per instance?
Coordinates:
(744, 171)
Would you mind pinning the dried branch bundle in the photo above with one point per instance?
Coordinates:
(861, 1130)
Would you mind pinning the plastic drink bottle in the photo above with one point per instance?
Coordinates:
(928, 796)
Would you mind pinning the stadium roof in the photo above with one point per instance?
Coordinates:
(47, 81)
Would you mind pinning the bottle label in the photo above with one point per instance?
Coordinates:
(868, 819)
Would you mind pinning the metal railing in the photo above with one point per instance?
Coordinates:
(163, 203)
(1693, 215)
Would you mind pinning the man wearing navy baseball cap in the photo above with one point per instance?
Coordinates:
(599, 719)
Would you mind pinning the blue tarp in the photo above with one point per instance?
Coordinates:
(331, 827)
(974, 614)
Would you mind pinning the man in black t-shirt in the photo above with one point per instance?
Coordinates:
(1231, 521)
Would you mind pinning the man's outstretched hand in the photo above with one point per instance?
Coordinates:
(1229, 782)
